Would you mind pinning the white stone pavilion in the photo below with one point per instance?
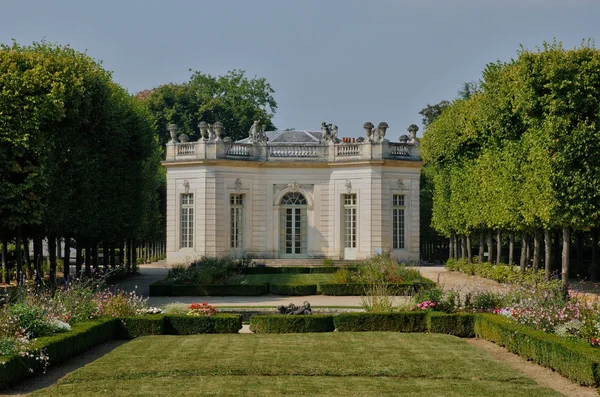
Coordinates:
(292, 194)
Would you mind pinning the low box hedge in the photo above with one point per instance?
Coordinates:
(457, 324)
(191, 325)
(165, 289)
(283, 324)
(58, 347)
(293, 289)
(575, 360)
(396, 322)
(398, 289)
(294, 269)
(133, 327)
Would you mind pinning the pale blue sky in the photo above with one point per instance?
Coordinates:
(344, 61)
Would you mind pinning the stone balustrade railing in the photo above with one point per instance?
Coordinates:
(212, 150)
(347, 149)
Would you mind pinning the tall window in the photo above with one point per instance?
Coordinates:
(187, 220)
(349, 220)
(398, 219)
(236, 202)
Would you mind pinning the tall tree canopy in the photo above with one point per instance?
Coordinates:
(520, 153)
(78, 154)
(233, 99)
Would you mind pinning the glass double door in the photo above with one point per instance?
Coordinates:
(292, 240)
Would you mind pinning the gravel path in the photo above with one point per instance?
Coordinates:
(461, 282)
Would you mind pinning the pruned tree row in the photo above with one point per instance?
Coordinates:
(79, 163)
(515, 165)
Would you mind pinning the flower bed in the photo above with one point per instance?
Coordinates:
(576, 360)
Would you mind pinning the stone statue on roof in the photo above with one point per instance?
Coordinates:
(328, 132)
(257, 132)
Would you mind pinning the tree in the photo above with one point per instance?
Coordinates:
(233, 99)
(431, 112)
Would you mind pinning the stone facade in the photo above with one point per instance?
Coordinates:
(292, 194)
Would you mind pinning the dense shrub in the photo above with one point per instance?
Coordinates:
(293, 289)
(397, 322)
(58, 348)
(190, 325)
(283, 324)
(457, 324)
(576, 360)
(399, 289)
(160, 288)
(133, 327)
(501, 273)
(208, 270)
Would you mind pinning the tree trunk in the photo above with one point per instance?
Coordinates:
(537, 245)
(499, 247)
(18, 257)
(547, 255)
(523, 251)
(566, 256)
(5, 278)
(490, 246)
(511, 248)
(67, 259)
(95, 261)
(112, 261)
(78, 257)
(122, 253)
(129, 256)
(88, 259)
(451, 247)
(579, 246)
(26, 252)
(481, 248)
(38, 257)
(134, 258)
(105, 256)
(469, 250)
(463, 248)
(52, 256)
(594, 267)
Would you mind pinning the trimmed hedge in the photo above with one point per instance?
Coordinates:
(397, 322)
(294, 269)
(575, 360)
(164, 289)
(58, 347)
(191, 325)
(293, 289)
(132, 327)
(457, 324)
(398, 289)
(283, 324)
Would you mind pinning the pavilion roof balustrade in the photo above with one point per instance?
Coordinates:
(265, 151)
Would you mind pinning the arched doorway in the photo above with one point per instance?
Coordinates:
(292, 225)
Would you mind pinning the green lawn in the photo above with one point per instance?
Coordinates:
(334, 364)
(287, 278)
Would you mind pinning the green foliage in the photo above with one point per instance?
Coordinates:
(162, 288)
(233, 99)
(283, 324)
(396, 322)
(58, 347)
(519, 150)
(191, 325)
(30, 318)
(135, 326)
(501, 273)
(575, 360)
(293, 289)
(457, 324)
(397, 289)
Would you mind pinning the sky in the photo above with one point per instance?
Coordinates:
(345, 62)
